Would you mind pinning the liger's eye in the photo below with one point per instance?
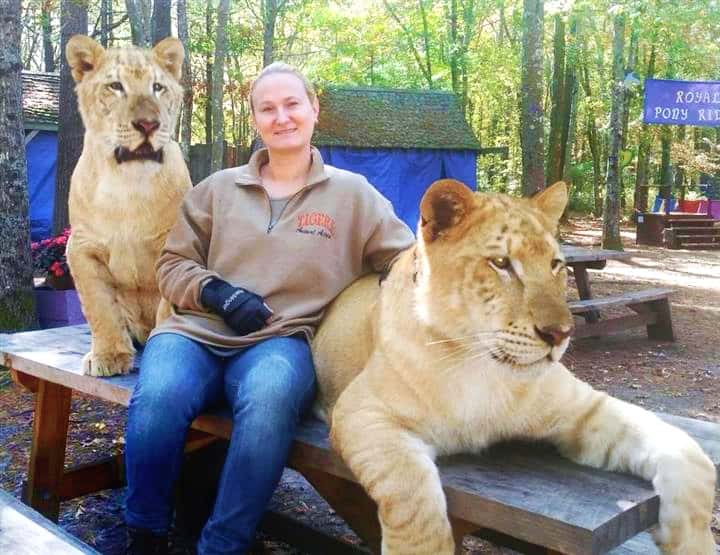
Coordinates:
(116, 86)
(157, 87)
(557, 264)
(500, 262)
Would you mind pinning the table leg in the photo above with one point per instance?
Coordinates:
(351, 502)
(47, 455)
(583, 286)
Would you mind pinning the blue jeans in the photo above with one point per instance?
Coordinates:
(267, 387)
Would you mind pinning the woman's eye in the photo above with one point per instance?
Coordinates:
(500, 262)
(157, 87)
(116, 86)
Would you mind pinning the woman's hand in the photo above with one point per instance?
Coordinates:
(242, 310)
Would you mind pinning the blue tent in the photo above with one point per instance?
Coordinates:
(40, 113)
(400, 140)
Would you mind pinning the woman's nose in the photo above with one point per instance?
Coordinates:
(281, 116)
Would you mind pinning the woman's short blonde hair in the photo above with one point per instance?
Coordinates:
(282, 67)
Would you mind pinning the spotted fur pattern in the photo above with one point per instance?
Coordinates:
(461, 348)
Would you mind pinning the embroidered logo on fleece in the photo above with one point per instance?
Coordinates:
(316, 223)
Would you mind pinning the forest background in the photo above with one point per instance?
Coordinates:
(471, 47)
(558, 86)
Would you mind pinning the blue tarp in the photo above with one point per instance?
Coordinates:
(403, 175)
(658, 204)
(41, 154)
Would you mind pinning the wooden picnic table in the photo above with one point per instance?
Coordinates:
(651, 306)
(523, 495)
(581, 259)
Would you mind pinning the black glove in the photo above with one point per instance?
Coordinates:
(242, 310)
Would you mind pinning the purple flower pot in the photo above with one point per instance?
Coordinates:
(58, 308)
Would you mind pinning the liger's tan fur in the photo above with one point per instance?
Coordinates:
(446, 357)
(120, 213)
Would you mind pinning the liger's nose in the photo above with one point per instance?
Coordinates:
(146, 127)
(554, 335)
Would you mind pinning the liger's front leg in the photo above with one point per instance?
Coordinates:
(605, 432)
(398, 471)
(112, 350)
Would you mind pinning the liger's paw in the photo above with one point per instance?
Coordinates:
(107, 364)
(686, 484)
(701, 542)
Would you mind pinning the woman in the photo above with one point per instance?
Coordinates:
(255, 256)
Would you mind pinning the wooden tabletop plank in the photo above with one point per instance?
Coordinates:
(624, 299)
(527, 491)
(56, 355)
(26, 532)
(574, 254)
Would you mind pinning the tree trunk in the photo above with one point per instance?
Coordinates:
(48, 51)
(160, 20)
(556, 148)
(666, 178)
(611, 212)
(105, 6)
(216, 160)
(629, 68)
(186, 82)
(454, 46)
(269, 18)
(567, 137)
(73, 21)
(641, 192)
(679, 172)
(17, 306)
(426, 41)
(208, 79)
(592, 138)
(531, 99)
(136, 10)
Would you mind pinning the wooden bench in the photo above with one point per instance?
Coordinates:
(651, 307)
(24, 531)
(525, 496)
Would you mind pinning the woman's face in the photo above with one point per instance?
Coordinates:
(283, 114)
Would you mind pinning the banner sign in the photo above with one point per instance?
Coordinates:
(682, 102)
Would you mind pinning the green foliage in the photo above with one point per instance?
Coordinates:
(386, 43)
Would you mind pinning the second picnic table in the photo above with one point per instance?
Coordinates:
(651, 306)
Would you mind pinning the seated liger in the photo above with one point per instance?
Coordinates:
(459, 348)
(125, 191)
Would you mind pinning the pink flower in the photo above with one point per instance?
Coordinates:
(57, 269)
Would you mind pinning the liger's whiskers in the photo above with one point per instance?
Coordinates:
(474, 356)
(462, 339)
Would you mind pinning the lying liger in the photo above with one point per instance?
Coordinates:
(460, 347)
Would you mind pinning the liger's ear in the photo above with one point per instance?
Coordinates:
(170, 54)
(444, 205)
(83, 55)
(552, 201)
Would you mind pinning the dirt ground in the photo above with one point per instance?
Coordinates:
(680, 378)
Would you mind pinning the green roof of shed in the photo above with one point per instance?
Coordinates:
(392, 118)
(41, 99)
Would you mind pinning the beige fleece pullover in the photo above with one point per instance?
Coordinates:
(335, 229)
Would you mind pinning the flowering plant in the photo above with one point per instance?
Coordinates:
(48, 255)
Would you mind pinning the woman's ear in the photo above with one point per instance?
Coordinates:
(316, 108)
